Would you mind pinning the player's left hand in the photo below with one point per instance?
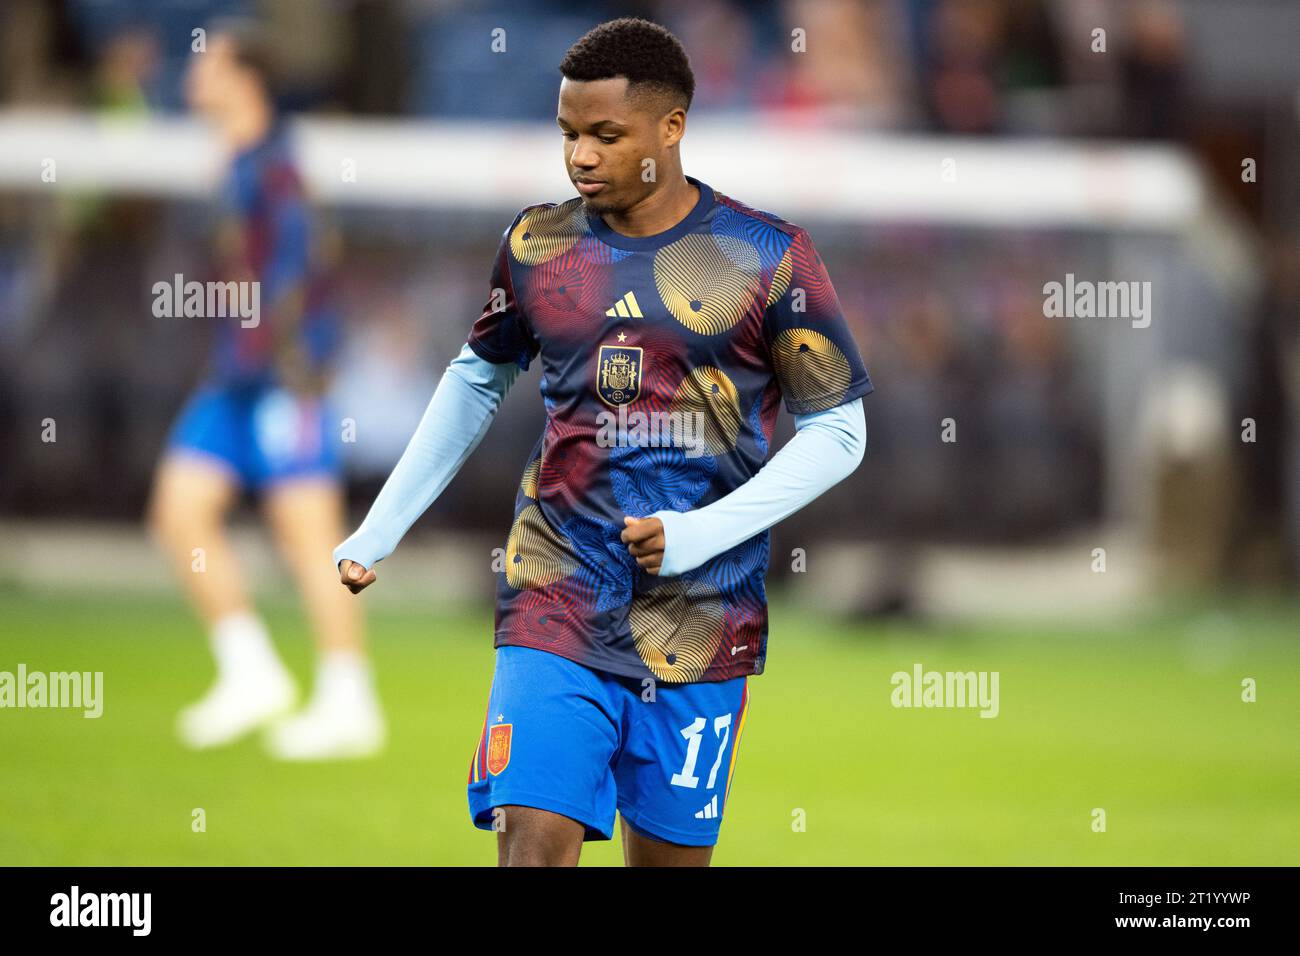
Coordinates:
(645, 540)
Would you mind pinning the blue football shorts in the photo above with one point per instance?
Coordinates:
(261, 434)
(563, 737)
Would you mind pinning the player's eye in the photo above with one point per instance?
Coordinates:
(608, 139)
(568, 135)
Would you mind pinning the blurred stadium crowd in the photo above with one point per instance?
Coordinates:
(965, 66)
(949, 319)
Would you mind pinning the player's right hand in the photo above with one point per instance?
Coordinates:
(355, 577)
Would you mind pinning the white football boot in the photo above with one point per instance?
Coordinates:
(238, 703)
(342, 720)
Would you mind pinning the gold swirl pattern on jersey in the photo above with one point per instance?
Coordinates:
(711, 398)
(536, 555)
(677, 627)
(708, 282)
(542, 234)
(813, 371)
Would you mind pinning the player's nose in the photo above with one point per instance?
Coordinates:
(583, 159)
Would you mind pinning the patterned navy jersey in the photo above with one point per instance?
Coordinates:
(665, 359)
(266, 233)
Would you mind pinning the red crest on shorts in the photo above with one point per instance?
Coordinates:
(498, 749)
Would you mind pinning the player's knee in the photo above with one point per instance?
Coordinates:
(301, 549)
(534, 852)
(172, 522)
(161, 519)
(538, 838)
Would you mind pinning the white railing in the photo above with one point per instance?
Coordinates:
(802, 173)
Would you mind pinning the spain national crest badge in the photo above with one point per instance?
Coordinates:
(498, 748)
(618, 374)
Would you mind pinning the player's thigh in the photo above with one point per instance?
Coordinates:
(675, 771)
(547, 741)
(641, 850)
(190, 491)
(530, 836)
(305, 514)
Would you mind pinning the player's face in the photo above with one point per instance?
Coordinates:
(211, 76)
(608, 139)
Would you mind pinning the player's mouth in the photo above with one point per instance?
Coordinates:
(589, 187)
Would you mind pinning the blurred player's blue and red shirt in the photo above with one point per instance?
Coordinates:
(717, 319)
(243, 416)
(265, 233)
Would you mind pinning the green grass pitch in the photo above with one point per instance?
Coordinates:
(1142, 719)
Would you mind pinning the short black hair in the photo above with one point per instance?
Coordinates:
(648, 55)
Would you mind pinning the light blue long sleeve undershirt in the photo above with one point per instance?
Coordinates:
(455, 421)
(827, 446)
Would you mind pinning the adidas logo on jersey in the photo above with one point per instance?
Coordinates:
(710, 811)
(626, 308)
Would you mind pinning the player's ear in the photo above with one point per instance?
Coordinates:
(674, 126)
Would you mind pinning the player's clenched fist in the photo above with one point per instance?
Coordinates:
(645, 540)
(354, 577)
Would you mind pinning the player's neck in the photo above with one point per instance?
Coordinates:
(658, 212)
(245, 128)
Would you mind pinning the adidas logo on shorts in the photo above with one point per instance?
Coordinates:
(710, 811)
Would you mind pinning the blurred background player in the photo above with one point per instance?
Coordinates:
(260, 422)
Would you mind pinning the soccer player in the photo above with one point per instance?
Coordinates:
(260, 422)
(632, 609)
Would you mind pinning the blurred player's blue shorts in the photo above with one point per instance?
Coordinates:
(565, 738)
(262, 434)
